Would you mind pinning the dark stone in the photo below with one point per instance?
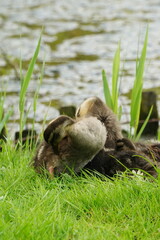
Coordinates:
(149, 99)
(56, 73)
(3, 134)
(3, 137)
(28, 135)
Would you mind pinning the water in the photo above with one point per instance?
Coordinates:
(79, 40)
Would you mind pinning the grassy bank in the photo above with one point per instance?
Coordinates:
(70, 207)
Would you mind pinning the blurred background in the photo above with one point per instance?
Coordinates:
(79, 40)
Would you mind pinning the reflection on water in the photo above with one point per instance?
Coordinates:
(79, 40)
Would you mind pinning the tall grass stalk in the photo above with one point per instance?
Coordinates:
(136, 95)
(138, 135)
(111, 95)
(115, 79)
(36, 95)
(24, 87)
(106, 89)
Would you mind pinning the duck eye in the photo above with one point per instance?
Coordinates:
(65, 138)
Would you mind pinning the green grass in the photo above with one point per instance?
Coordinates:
(70, 207)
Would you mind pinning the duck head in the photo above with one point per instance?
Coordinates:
(95, 107)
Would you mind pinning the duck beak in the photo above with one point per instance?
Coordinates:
(51, 171)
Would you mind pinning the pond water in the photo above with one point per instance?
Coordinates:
(79, 40)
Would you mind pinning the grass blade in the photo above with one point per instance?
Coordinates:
(115, 77)
(144, 125)
(137, 88)
(24, 86)
(28, 75)
(5, 119)
(111, 97)
(106, 89)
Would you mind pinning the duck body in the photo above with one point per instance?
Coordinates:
(93, 141)
(113, 162)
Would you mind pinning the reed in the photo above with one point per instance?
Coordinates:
(111, 96)
(24, 86)
(136, 94)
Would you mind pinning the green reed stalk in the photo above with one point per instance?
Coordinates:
(106, 89)
(24, 87)
(115, 79)
(36, 95)
(111, 97)
(136, 94)
(138, 135)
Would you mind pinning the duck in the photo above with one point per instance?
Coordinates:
(93, 141)
(69, 144)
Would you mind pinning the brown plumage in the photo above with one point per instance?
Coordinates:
(126, 156)
(93, 141)
(69, 144)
